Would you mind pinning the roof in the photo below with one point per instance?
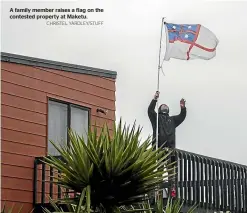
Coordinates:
(31, 61)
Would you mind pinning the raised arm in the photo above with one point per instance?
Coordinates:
(178, 119)
(151, 109)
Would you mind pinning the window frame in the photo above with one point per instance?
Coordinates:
(69, 105)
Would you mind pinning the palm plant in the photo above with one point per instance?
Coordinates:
(7, 209)
(175, 206)
(109, 170)
(172, 206)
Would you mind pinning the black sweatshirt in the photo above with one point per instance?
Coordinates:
(167, 125)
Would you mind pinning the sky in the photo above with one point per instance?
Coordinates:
(128, 42)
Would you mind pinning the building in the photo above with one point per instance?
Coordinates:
(40, 99)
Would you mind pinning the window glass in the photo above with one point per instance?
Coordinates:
(79, 121)
(57, 125)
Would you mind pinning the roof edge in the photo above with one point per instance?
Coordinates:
(38, 62)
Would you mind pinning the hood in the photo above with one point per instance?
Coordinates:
(164, 109)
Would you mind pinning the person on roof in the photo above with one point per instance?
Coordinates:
(166, 124)
(166, 132)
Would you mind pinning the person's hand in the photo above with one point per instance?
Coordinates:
(182, 103)
(156, 96)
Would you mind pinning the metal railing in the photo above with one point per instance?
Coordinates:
(211, 183)
(43, 183)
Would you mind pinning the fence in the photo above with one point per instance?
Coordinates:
(211, 183)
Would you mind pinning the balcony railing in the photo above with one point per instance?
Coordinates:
(211, 183)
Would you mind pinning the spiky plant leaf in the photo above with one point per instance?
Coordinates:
(6, 209)
(175, 206)
(116, 169)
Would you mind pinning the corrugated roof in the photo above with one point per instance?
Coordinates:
(38, 62)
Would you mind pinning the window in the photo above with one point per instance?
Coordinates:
(62, 116)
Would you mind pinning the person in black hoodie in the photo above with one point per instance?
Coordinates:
(166, 125)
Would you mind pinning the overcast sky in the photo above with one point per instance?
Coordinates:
(128, 42)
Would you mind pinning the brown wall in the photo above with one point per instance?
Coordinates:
(25, 91)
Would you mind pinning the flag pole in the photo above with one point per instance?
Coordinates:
(158, 85)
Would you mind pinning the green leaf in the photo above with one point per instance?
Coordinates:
(111, 169)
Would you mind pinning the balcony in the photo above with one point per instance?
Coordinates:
(214, 184)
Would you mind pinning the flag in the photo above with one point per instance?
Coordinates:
(188, 41)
